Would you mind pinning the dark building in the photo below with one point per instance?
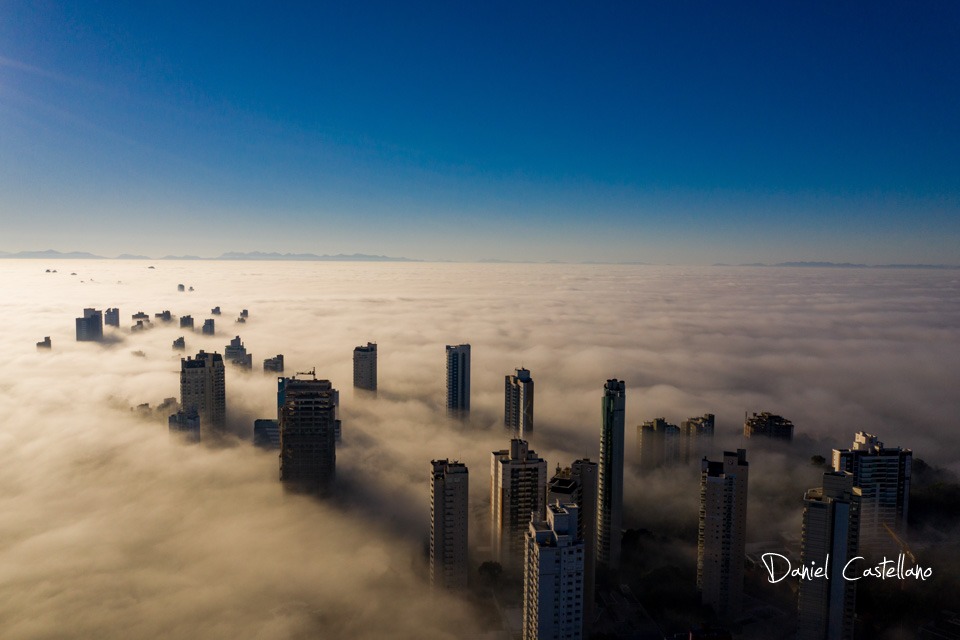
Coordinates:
(696, 437)
(90, 326)
(186, 425)
(768, 425)
(180, 287)
(179, 344)
(215, 311)
(307, 410)
(45, 343)
(266, 433)
(186, 322)
(208, 327)
(274, 364)
(458, 380)
(111, 317)
(365, 367)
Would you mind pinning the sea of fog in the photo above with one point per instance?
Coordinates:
(108, 528)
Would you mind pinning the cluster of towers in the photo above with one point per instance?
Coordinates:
(559, 535)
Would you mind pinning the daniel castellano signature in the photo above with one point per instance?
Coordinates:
(779, 567)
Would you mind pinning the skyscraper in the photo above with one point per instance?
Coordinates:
(307, 413)
(696, 437)
(518, 482)
(768, 425)
(365, 367)
(658, 444)
(578, 484)
(458, 379)
(111, 317)
(236, 353)
(610, 485)
(723, 532)
(90, 326)
(449, 494)
(831, 524)
(202, 389)
(553, 593)
(185, 425)
(518, 404)
(883, 475)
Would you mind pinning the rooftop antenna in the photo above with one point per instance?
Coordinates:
(312, 373)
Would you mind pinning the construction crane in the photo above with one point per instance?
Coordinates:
(903, 545)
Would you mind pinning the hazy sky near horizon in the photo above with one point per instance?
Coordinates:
(113, 530)
(657, 132)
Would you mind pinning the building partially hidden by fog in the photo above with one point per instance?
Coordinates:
(164, 316)
(180, 344)
(518, 404)
(458, 379)
(578, 484)
(365, 367)
(696, 437)
(185, 425)
(274, 364)
(722, 535)
(553, 592)
(215, 311)
(266, 433)
(883, 475)
(518, 483)
(111, 317)
(831, 524)
(90, 326)
(768, 425)
(236, 353)
(208, 328)
(203, 389)
(449, 510)
(610, 484)
(658, 444)
(307, 411)
(45, 343)
(186, 322)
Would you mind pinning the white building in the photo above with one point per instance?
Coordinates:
(458, 379)
(553, 592)
(518, 404)
(518, 483)
(449, 493)
(610, 485)
(883, 475)
(831, 523)
(723, 532)
(365, 367)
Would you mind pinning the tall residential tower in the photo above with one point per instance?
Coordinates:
(365, 367)
(307, 411)
(449, 494)
(203, 390)
(610, 485)
(518, 482)
(458, 379)
(518, 404)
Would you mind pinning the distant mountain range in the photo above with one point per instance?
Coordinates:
(843, 265)
(50, 254)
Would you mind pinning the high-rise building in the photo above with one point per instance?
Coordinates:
(883, 475)
(186, 322)
(458, 379)
(696, 437)
(90, 326)
(518, 483)
(236, 353)
(518, 404)
(723, 532)
(266, 433)
(111, 317)
(831, 524)
(45, 343)
(553, 592)
(658, 444)
(308, 422)
(449, 494)
(202, 389)
(274, 364)
(610, 484)
(365, 367)
(208, 328)
(180, 344)
(578, 484)
(768, 425)
(185, 425)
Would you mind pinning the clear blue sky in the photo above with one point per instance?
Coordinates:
(659, 132)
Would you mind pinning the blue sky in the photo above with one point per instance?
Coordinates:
(659, 132)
